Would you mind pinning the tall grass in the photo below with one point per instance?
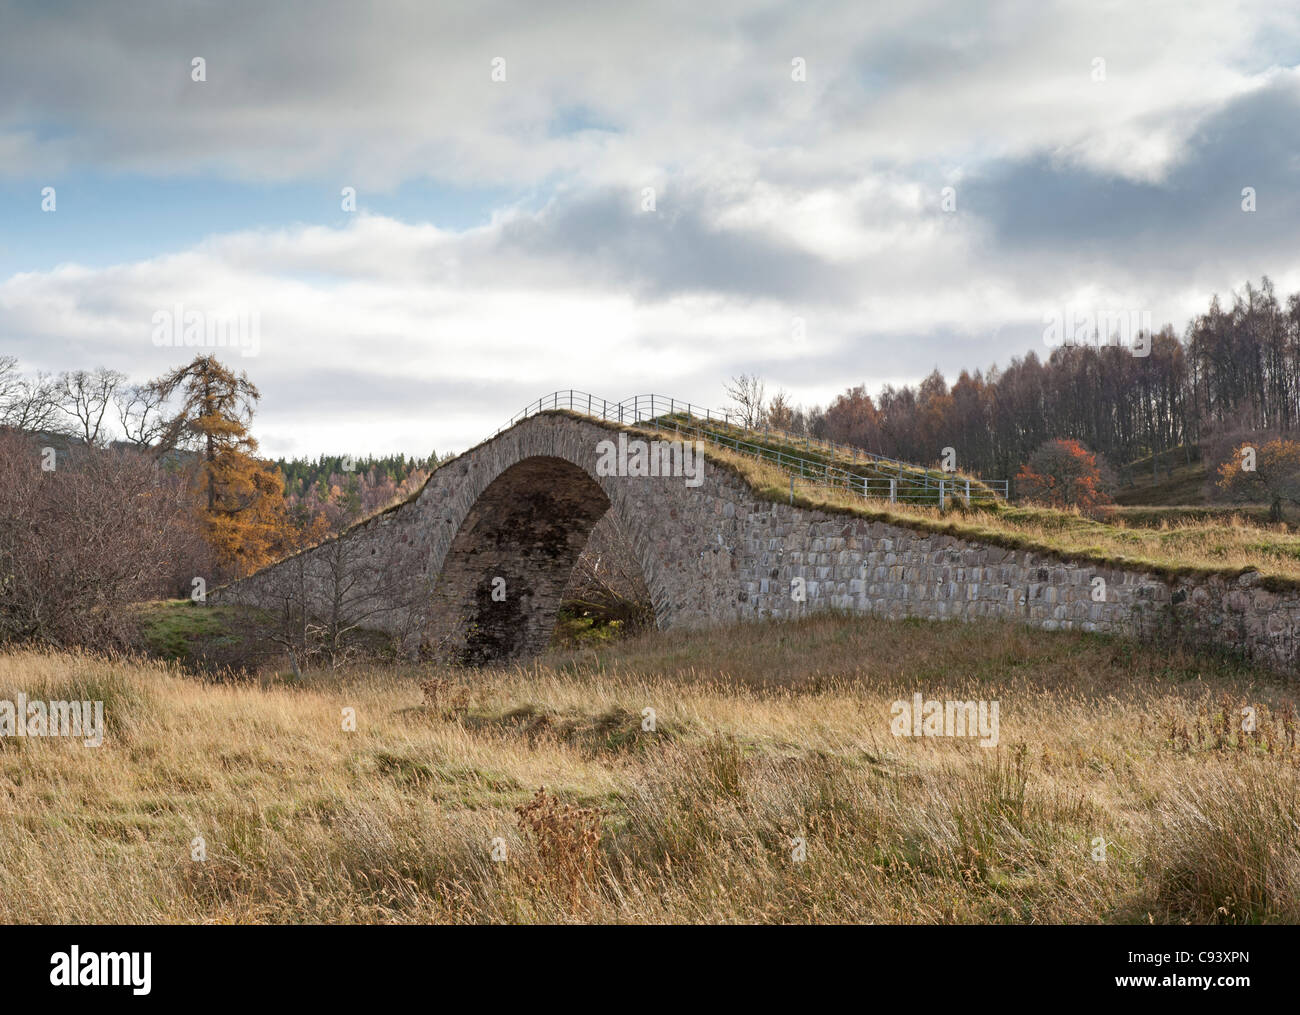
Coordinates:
(766, 739)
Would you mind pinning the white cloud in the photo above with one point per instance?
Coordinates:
(456, 328)
(776, 199)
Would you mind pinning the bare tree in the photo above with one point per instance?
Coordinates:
(336, 597)
(748, 395)
(140, 410)
(292, 629)
(607, 582)
(82, 541)
(9, 379)
(85, 396)
(30, 405)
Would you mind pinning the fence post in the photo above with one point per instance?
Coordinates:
(968, 491)
(893, 490)
(792, 488)
(941, 495)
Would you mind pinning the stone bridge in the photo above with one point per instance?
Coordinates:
(474, 566)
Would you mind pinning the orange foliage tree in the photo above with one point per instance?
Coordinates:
(1062, 473)
(242, 504)
(1269, 473)
(781, 412)
(852, 419)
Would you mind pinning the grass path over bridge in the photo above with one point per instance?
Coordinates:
(835, 464)
(763, 735)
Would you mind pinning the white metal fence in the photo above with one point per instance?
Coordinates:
(862, 472)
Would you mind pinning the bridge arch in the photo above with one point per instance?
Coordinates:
(474, 567)
(500, 585)
(513, 525)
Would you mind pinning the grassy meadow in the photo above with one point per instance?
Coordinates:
(764, 735)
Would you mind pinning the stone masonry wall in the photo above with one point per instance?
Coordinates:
(717, 554)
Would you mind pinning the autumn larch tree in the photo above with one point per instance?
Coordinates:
(242, 498)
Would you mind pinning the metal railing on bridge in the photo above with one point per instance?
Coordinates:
(839, 466)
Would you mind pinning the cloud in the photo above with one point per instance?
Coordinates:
(1068, 236)
(390, 91)
(583, 293)
(774, 200)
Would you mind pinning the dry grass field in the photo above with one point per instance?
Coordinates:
(763, 735)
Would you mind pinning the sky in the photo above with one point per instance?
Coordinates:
(623, 198)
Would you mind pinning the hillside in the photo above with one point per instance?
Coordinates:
(1178, 497)
(1183, 485)
(763, 735)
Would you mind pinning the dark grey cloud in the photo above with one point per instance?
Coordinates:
(672, 250)
(1067, 218)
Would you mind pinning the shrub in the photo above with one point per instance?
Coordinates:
(567, 840)
(78, 542)
(1269, 472)
(1063, 473)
